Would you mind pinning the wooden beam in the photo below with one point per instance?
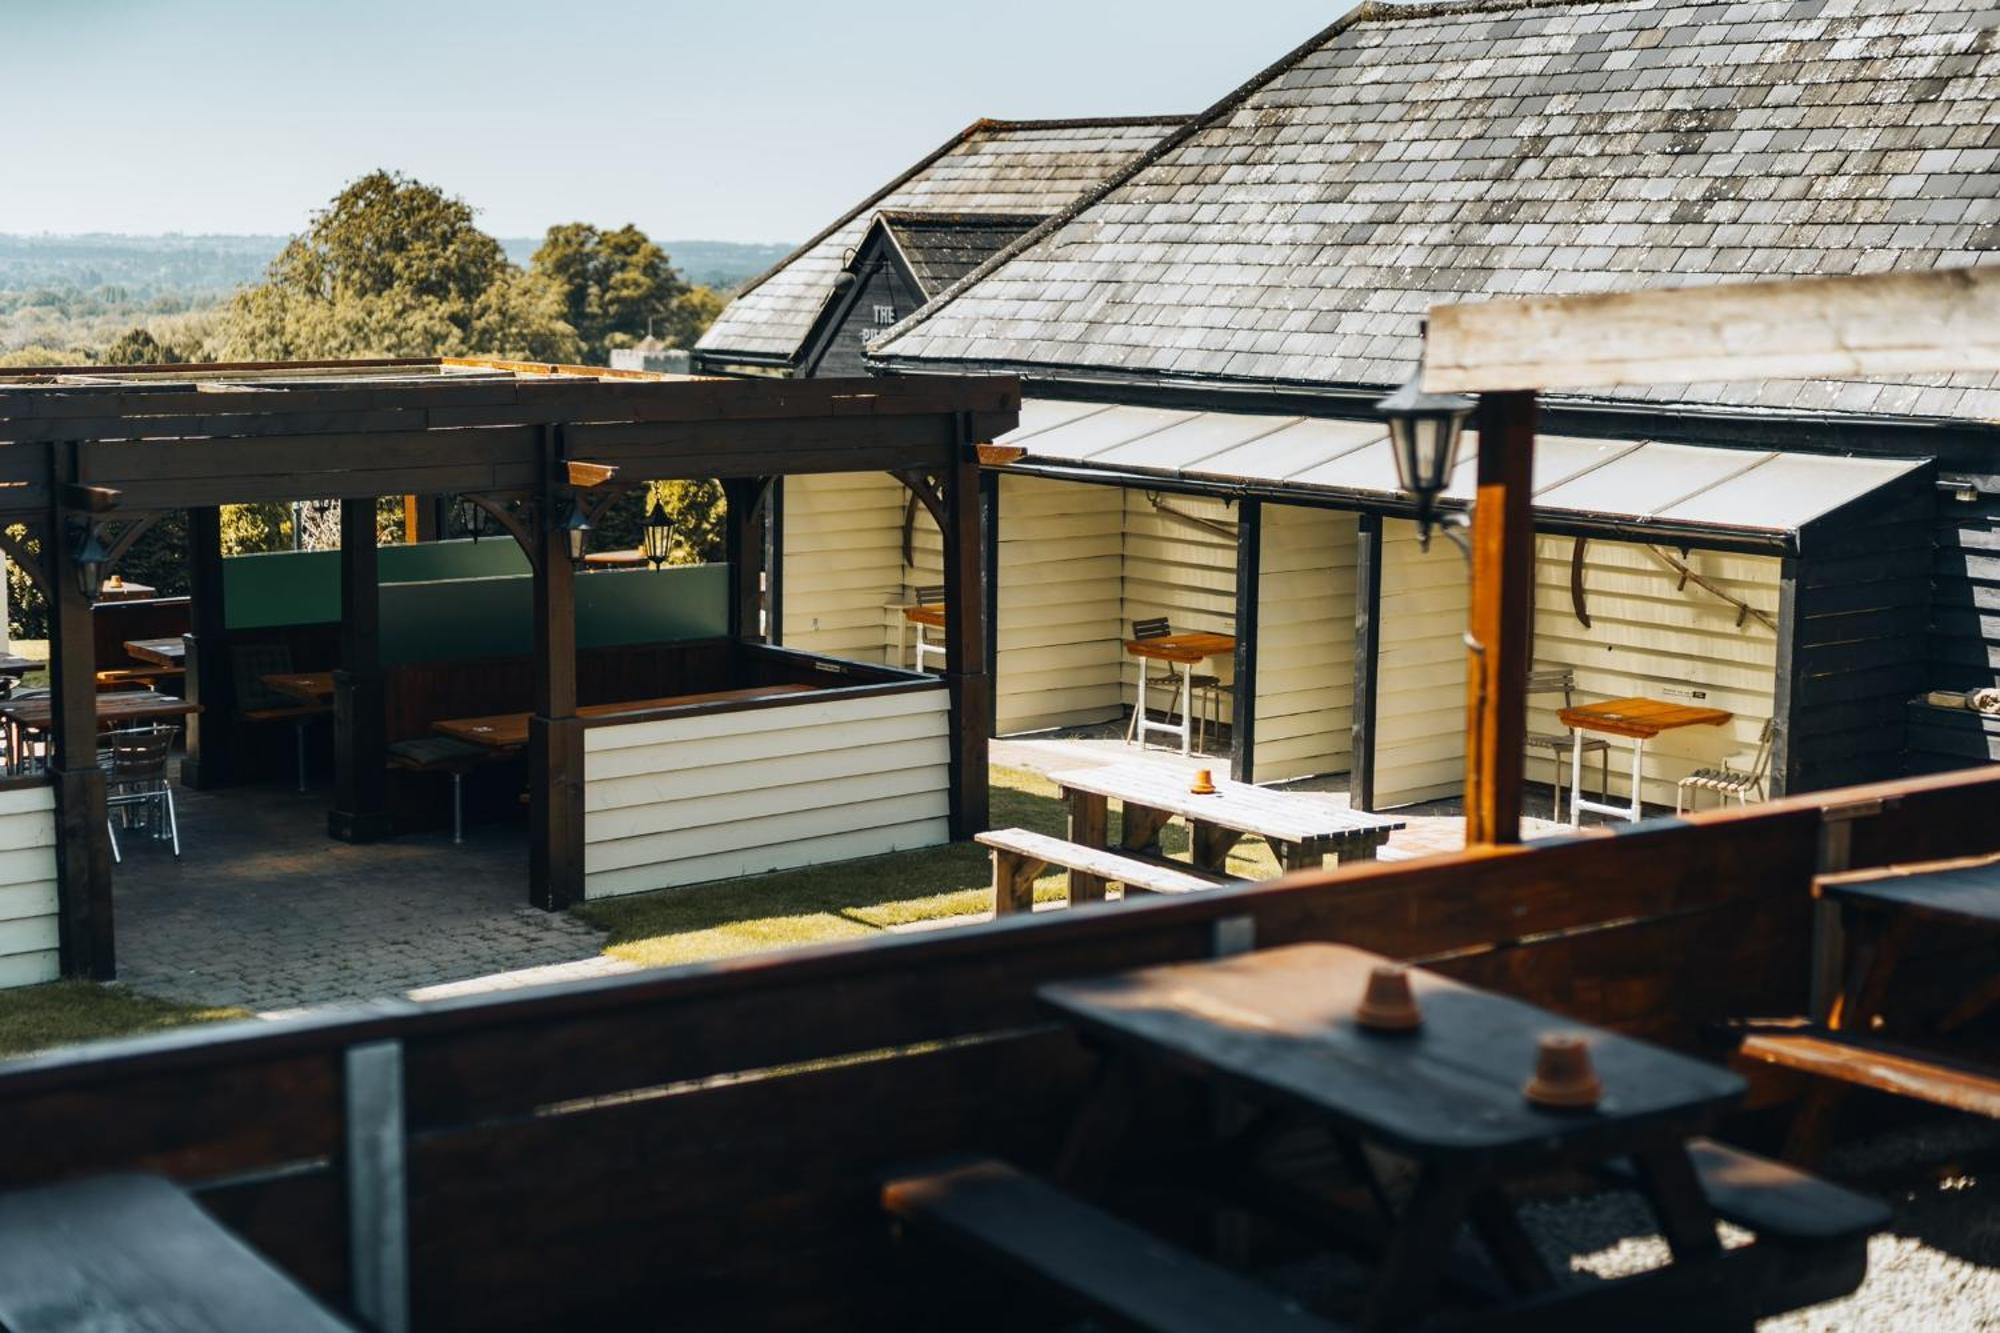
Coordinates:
(965, 641)
(743, 547)
(211, 733)
(83, 851)
(1783, 775)
(360, 720)
(1243, 695)
(1367, 659)
(989, 518)
(774, 564)
(1886, 324)
(1503, 580)
(555, 733)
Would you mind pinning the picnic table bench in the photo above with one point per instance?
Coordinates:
(1019, 855)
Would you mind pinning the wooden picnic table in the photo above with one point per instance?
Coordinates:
(165, 652)
(507, 731)
(1302, 829)
(1184, 652)
(313, 687)
(17, 666)
(1274, 1032)
(1637, 720)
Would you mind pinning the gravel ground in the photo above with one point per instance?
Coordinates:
(1937, 1268)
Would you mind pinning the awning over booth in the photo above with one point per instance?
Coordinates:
(1626, 486)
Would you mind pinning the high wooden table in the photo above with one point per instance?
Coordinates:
(615, 559)
(922, 617)
(1302, 829)
(1184, 652)
(170, 652)
(313, 687)
(1273, 1031)
(509, 731)
(122, 707)
(15, 666)
(1637, 720)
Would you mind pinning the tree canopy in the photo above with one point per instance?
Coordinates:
(612, 284)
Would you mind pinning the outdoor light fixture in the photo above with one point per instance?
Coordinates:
(87, 549)
(1424, 432)
(470, 516)
(659, 534)
(577, 528)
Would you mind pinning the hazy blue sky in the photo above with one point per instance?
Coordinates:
(731, 120)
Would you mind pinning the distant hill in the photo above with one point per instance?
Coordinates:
(192, 267)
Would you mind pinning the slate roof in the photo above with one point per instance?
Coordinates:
(942, 248)
(1007, 167)
(1405, 156)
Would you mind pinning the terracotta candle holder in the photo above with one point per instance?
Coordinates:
(1564, 1077)
(1203, 784)
(1388, 1004)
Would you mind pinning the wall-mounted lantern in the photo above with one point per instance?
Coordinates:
(1424, 434)
(659, 534)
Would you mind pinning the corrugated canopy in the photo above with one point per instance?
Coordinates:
(1619, 484)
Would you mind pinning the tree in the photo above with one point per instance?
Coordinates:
(138, 347)
(614, 285)
(394, 267)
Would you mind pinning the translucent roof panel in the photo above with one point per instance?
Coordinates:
(1309, 443)
(1646, 481)
(1787, 492)
(1203, 435)
(1084, 438)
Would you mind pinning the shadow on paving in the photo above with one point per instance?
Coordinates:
(265, 911)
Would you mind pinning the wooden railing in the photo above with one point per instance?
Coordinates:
(705, 1143)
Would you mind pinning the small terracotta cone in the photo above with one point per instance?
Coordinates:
(1388, 1004)
(1564, 1077)
(1203, 784)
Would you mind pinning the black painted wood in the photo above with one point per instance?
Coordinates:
(1243, 693)
(555, 733)
(965, 632)
(83, 852)
(210, 735)
(360, 719)
(1773, 1199)
(1367, 659)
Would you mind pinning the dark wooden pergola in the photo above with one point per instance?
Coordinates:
(529, 443)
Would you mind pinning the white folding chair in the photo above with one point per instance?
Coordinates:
(1726, 782)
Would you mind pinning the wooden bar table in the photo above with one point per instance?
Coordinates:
(1637, 720)
(312, 687)
(121, 707)
(171, 652)
(1276, 1030)
(1184, 652)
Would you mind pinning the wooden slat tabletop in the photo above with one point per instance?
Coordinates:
(1278, 1024)
(313, 687)
(931, 615)
(160, 652)
(1194, 646)
(1641, 719)
(615, 559)
(12, 665)
(1295, 817)
(118, 706)
(504, 731)
(1969, 893)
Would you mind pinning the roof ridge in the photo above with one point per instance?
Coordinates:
(1079, 122)
(1430, 9)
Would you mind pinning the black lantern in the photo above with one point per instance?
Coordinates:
(659, 534)
(470, 517)
(87, 549)
(577, 529)
(1424, 431)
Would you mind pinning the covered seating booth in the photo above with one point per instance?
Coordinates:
(86, 458)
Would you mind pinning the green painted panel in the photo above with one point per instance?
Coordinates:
(303, 587)
(492, 617)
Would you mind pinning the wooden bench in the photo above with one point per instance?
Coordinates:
(116, 677)
(133, 1252)
(442, 754)
(1869, 1062)
(1107, 1264)
(1021, 854)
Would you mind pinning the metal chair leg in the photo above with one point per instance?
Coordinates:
(116, 857)
(457, 809)
(299, 728)
(173, 820)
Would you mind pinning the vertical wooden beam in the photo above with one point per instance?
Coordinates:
(1243, 696)
(1783, 776)
(965, 636)
(774, 563)
(360, 723)
(1367, 659)
(211, 733)
(83, 849)
(989, 517)
(1503, 571)
(743, 548)
(555, 732)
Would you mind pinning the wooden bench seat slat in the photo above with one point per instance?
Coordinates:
(1871, 1063)
(1108, 1264)
(1774, 1200)
(134, 1253)
(1041, 849)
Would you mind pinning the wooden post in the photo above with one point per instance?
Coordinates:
(774, 562)
(211, 733)
(360, 723)
(989, 518)
(83, 848)
(965, 637)
(1243, 695)
(1503, 574)
(1782, 775)
(1367, 660)
(555, 732)
(743, 548)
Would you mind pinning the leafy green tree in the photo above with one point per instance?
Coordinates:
(394, 267)
(138, 347)
(612, 283)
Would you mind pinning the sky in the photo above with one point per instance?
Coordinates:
(726, 120)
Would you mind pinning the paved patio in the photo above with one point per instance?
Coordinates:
(264, 911)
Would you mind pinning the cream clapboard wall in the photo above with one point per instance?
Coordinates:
(1060, 652)
(28, 942)
(1181, 570)
(1305, 649)
(843, 562)
(1649, 638)
(1420, 672)
(719, 795)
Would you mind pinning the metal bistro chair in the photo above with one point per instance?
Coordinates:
(931, 595)
(135, 764)
(1559, 743)
(1726, 782)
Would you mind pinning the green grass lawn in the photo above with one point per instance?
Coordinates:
(851, 899)
(63, 1013)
